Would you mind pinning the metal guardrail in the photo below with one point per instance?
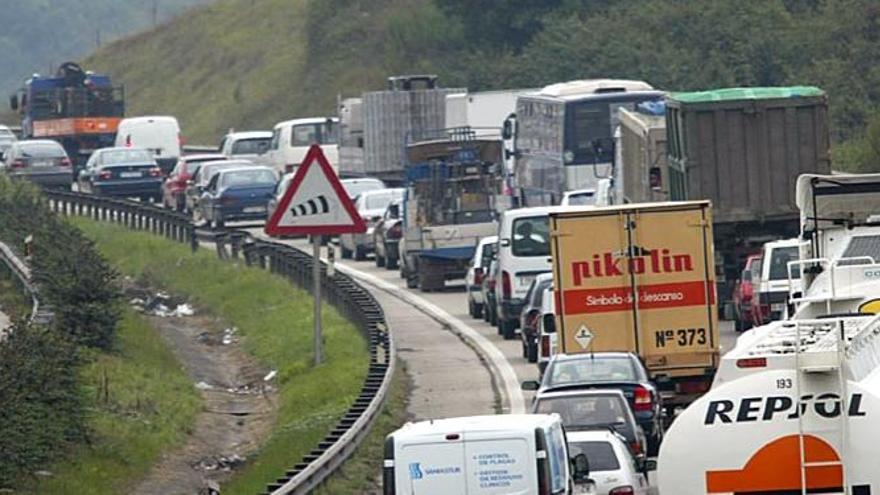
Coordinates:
(347, 296)
(39, 313)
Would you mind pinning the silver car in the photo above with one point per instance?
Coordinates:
(41, 161)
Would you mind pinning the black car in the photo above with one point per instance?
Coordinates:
(608, 370)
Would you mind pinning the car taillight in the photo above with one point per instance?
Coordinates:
(636, 447)
(65, 162)
(622, 490)
(18, 164)
(490, 284)
(105, 175)
(505, 285)
(545, 345)
(128, 141)
(478, 276)
(643, 400)
(751, 363)
(155, 172)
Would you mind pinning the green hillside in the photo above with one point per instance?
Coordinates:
(250, 63)
(38, 35)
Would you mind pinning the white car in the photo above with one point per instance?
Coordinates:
(612, 467)
(474, 278)
(579, 197)
(356, 186)
(249, 145)
(370, 205)
(773, 287)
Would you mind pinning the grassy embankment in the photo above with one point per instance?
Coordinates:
(274, 320)
(141, 403)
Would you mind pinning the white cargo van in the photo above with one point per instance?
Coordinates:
(504, 454)
(159, 134)
(523, 253)
(292, 139)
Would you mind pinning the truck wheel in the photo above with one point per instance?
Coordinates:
(344, 252)
(380, 261)
(391, 263)
(360, 253)
(471, 308)
(493, 318)
(478, 310)
(532, 352)
(412, 280)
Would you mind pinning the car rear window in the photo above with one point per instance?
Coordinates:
(592, 369)
(356, 187)
(253, 146)
(380, 199)
(40, 150)
(779, 259)
(584, 198)
(586, 411)
(243, 177)
(600, 454)
(125, 156)
(531, 236)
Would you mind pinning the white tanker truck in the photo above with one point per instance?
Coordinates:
(795, 406)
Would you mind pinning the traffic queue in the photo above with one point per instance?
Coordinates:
(613, 281)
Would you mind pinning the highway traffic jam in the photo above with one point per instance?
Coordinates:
(694, 290)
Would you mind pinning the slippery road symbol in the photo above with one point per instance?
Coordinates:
(313, 206)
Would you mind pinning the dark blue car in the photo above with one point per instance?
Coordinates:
(240, 193)
(122, 172)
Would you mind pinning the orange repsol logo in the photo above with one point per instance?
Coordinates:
(643, 261)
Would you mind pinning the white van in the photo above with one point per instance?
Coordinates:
(247, 145)
(523, 253)
(292, 139)
(504, 454)
(159, 134)
(773, 287)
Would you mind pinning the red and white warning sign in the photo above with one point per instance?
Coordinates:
(315, 203)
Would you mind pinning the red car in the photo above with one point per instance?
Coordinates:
(743, 295)
(174, 187)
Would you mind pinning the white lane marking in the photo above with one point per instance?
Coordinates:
(489, 350)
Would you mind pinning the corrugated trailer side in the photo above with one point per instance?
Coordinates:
(389, 116)
(744, 148)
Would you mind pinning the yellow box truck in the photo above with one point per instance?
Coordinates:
(640, 278)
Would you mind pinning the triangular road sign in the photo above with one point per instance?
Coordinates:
(315, 203)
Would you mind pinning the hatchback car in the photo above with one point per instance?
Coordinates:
(531, 316)
(122, 172)
(41, 161)
(174, 187)
(370, 206)
(386, 236)
(195, 186)
(249, 145)
(240, 193)
(594, 409)
(613, 469)
(622, 371)
(477, 269)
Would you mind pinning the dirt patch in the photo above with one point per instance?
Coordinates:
(238, 412)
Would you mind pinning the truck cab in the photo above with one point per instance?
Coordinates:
(478, 455)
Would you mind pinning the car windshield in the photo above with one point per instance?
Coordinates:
(600, 454)
(248, 177)
(779, 263)
(40, 150)
(592, 369)
(381, 200)
(359, 186)
(586, 411)
(113, 157)
(531, 236)
(251, 146)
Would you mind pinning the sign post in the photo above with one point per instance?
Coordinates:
(315, 204)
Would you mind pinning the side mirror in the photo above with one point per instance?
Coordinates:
(651, 465)
(394, 211)
(507, 128)
(530, 385)
(549, 321)
(13, 102)
(581, 468)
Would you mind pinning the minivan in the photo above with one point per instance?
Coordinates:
(159, 134)
(508, 453)
(292, 139)
(773, 288)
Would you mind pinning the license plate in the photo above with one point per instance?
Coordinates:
(777, 307)
(42, 163)
(129, 175)
(255, 209)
